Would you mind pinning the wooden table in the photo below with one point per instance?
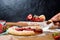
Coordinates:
(12, 37)
(45, 37)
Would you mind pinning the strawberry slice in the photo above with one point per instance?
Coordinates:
(29, 17)
(37, 19)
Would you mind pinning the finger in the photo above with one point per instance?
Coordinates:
(56, 17)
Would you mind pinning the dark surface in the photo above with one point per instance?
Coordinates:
(17, 10)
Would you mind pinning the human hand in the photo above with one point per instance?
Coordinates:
(56, 19)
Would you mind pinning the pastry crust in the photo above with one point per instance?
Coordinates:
(22, 33)
(33, 27)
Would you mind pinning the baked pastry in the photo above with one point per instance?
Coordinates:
(20, 23)
(24, 31)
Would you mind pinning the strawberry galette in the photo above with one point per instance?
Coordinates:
(24, 31)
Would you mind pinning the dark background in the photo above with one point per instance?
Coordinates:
(17, 10)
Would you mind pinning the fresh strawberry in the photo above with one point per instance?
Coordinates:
(33, 19)
(1, 28)
(37, 19)
(29, 17)
(57, 37)
(42, 17)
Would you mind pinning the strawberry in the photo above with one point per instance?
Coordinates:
(37, 19)
(33, 19)
(42, 17)
(57, 37)
(29, 17)
(1, 28)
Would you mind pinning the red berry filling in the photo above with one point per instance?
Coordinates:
(30, 29)
(34, 18)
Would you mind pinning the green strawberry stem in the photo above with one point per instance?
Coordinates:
(55, 34)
